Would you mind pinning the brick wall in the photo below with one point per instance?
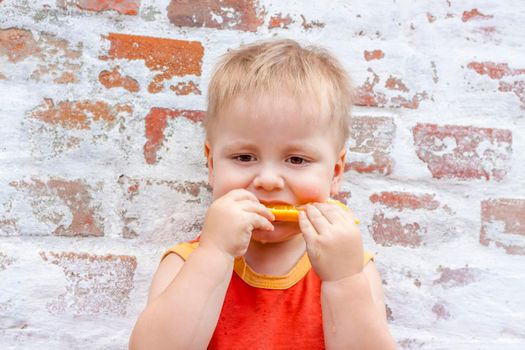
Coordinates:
(102, 162)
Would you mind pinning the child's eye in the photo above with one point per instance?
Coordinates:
(244, 158)
(295, 160)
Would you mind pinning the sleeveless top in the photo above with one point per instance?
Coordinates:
(268, 312)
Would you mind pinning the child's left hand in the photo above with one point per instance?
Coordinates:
(333, 241)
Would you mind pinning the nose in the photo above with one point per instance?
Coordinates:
(268, 179)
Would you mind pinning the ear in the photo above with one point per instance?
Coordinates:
(339, 169)
(209, 161)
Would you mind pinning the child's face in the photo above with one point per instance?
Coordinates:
(269, 149)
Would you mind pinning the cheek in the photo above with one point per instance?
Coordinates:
(312, 191)
(225, 180)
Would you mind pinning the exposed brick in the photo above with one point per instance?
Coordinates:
(156, 122)
(370, 145)
(58, 60)
(8, 226)
(96, 284)
(342, 196)
(474, 14)
(393, 83)
(172, 58)
(411, 344)
(245, 15)
(5, 261)
(17, 44)
(186, 88)
(455, 277)
(367, 95)
(390, 231)
(280, 21)
(47, 198)
(517, 87)
(312, 24)
(503, 224)
(494, 70)
(112, 79)
(463, 152)
(374, 55)
(125, 7)
(404, 200)
(139, 193)
(78, 114)
(440, 311)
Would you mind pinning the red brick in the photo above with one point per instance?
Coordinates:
(474, 14)
(456, 277)
(342, 196)
(374, 55)
(9, 227)
(79, 114)
(140, 192)
(393, 83)
(170, 57)
(76, 195)
(156, 122)
(441, 311)
(186, 88)
(96, 284)
(494, 70)
(244, 15)
(279, 21)
(368, 96)
(372, 139)
(125, 7)
(56, 56)
(517, 87)
(312, 24)
(404, 200)
(5, 261)
(463, 152)
(503, 224)
(17, 44)
(390, 231)
(111, 79)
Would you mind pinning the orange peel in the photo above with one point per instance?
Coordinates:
(290, 213)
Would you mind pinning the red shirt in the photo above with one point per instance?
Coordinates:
(268, 312)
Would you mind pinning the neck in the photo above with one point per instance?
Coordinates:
(275, 258)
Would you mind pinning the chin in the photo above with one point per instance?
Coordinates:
(283, 231)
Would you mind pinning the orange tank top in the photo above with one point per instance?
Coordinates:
(268, 312)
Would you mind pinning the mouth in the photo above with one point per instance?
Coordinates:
(283, 211)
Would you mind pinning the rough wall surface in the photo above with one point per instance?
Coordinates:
(102, 167)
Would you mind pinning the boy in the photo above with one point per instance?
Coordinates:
(276, 127)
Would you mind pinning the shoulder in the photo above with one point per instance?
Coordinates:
(170, 264)
(183, 250)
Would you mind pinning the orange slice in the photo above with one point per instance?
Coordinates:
(290, 213)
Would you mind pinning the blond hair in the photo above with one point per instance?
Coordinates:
(277, 66)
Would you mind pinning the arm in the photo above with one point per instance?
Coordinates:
(185, 313)
(352, 303)
(359, 319)
(186, 298)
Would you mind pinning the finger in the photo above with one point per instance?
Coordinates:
(307, 229)
(319, 222)
(260, 222)
(343, 213)
(332, 212)
(256, 207)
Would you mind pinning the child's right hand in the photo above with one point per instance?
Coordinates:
(230, 220)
